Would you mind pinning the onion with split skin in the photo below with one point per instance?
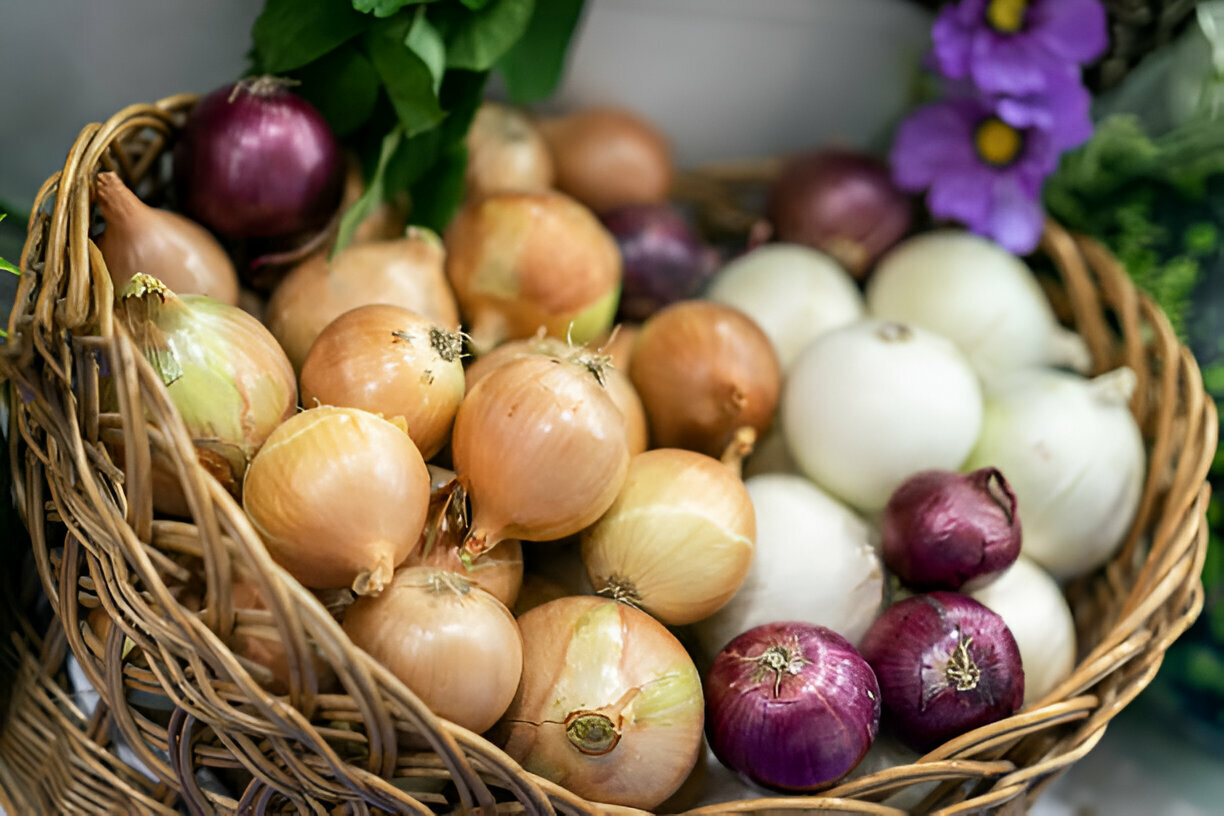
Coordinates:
(406, 272)
(610, 704)
(160, 243)
(617, 382)
(540, 448)
(339, 497)
(390, 361)
(521, 261)
(227, 377)
(704, 370)
(451, 643)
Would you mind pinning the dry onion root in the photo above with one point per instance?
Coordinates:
(389, 360)
(339, 497)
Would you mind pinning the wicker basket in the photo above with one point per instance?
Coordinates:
(185, 703)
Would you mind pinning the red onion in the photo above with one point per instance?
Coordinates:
(256, 161)
(664, 260)
(946, 665)
(791, 706)
(842, 202)
(946, 530)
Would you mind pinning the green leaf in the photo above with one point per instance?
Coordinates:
(475, 5)
(343, 85)
(289, 33)
(5, 265)
(439, 192)
(425, 41)
(407, 78)
(373, 195)
(478, 39)
(384, 8)
(533, 66)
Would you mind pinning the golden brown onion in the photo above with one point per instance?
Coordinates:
(339, 497)
(609, 157)
(405, 272)
(451, 643)
(610, 705)
(522, 261)
(389, 360)
(540, 448)
(505, 152)
(162, 244)
(679, 538)
(703, 371)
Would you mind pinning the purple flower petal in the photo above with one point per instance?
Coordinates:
(930, 141)
(950, 40)
(1073, 30)
(1063, 110)
(1016, 218)
(1009, 64)
(961, 193)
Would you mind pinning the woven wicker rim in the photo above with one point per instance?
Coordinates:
(306, 749)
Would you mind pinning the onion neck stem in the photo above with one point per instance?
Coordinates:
(621, 589)
(780, 659)
(741, 445)
(962, 671)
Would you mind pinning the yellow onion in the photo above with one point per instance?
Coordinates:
(704, 370)
(261, 643)
(679, 538)
(609, 158)
(160, 243)
(451, 643)
(505, 152)
(540, 448)
(225, 373)
(620, 389)
(610, 704)
(389, 360)
(406, 272)
(339, 497)
(498, 571)
(521, 261)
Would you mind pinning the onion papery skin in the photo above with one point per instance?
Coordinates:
(339, 497)
(160, 243)
(225, 374)
(620, 388)
(946, 665)
(406, 272)
(254, 160)
(609, 157)
(704, 370)
(946, 530)
(540, 449)
(842, 202)
(792, 706)
(677, 541)
(521, 261)
(505, 152)
(597, 656)
(451, 643)
(393, 362)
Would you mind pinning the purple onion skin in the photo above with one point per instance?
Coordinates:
(663, 258)
(842, 202)
(945, 530)
(946, 665)
(258, 162)
(799, 727)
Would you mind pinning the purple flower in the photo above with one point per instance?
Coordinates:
(1017, 46)
(983, 159)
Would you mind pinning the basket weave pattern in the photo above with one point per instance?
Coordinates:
(183, 701)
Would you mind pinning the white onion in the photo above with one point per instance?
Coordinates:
(1074, 457)
(867, 405)
(793, 292)
(814, 562)
(978, 295)
(1032, 605)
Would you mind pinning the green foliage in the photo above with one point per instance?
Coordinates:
(399, 81)
(5, 266)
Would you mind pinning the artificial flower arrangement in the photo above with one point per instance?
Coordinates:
(1012, 102)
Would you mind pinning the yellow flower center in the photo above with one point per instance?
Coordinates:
(997, 142)
(1006, 16)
